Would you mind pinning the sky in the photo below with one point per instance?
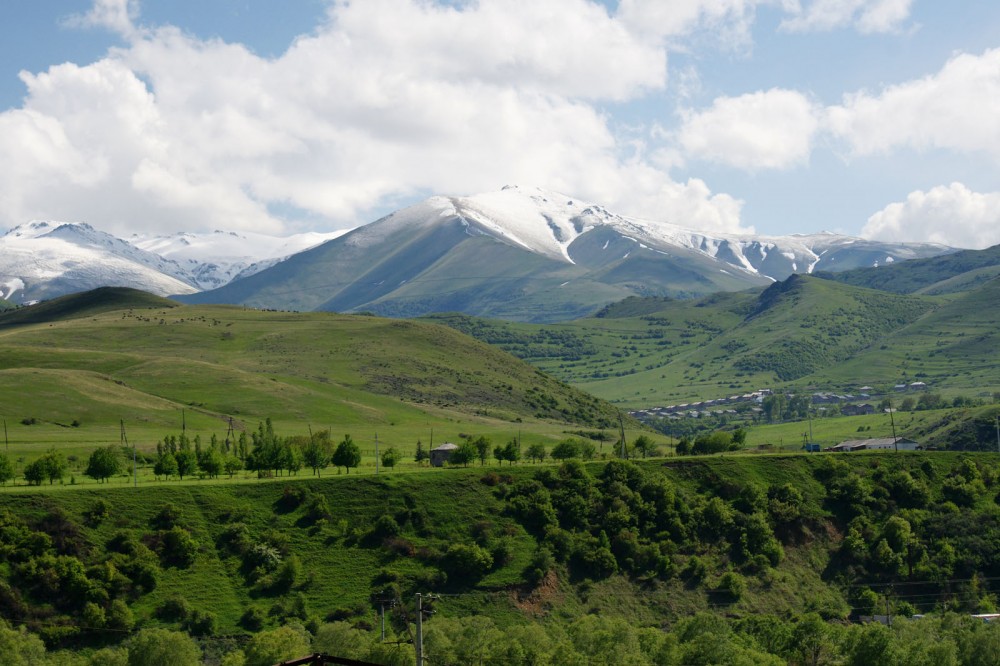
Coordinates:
(873, 118)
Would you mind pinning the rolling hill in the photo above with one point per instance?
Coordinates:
(109, 355)
(803, 332)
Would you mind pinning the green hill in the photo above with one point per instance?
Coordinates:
(949, 273)
(645, 352)
(75, 367)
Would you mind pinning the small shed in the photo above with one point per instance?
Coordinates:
(442, 454)
(877, 444)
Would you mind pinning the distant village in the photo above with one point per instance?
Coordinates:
(850, 404)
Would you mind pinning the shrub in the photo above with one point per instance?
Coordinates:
(174, 609)
(466, 562)
(732, 585)
(201, 623)
(253, 619)
(178, 547)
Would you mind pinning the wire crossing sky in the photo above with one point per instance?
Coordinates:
(877, 118)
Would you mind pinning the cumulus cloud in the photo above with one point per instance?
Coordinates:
(956, 109)
(866, 16)
(952, 215)
(386, 99)
(770, 129)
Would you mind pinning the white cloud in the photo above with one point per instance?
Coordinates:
(731, 20)
(770, 129)
(956, 109)
(866, 16)
(384, 100)
(952, 215)
(115, 15)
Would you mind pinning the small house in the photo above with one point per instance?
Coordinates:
(857, 410)
(442, 454)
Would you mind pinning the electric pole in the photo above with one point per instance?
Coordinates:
(419, 644)
(376, 471)
(895, 442)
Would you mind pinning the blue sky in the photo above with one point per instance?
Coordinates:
(878, 118)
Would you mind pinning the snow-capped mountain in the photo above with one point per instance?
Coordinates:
(525, 253)
(42, 260)
(214, 259)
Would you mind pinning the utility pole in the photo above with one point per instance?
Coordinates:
(183, 421)
(6, 443)
(376, 471)
(135, 468)
(892, 420)
(621, 429)
(419, 645)
(997, 417)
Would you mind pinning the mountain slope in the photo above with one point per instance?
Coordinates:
(948, 273)
(43, 260)
(214, 259)
(530, 255)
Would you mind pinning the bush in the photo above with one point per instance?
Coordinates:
(159, 646)
(178, 547)
(174, 609)
(732, 585)
(466, 562)
(201, 623)
(253, 619)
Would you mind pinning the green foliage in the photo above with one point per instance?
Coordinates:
(276, 645)
(465, 563)
(105, 463)
(160, 647)
(347, 455)
(50, 466)
(390, 457)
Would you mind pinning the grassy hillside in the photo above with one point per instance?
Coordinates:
(798, 333)
(74, 368)
(651, 544)
(949, 273)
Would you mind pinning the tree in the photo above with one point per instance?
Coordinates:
(464, 454)
(160, 647)
(6, 470)
(232, 464)
(347, 455)
(277, 645)
(166, 465)
(536, 452)
(421, 454)
(187, 462)
(567, 448)
(482, 444)
(104, 463)
(512, 451)
(390, 457)
(51, 466)
(643, 445)
(210, 462)
(317, 452)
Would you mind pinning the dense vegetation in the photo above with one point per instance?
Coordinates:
(650, 556)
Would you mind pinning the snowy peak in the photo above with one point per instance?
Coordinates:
(549, 223)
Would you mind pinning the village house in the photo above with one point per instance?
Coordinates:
(442, 454)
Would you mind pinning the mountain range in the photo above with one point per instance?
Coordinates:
(517, 253)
